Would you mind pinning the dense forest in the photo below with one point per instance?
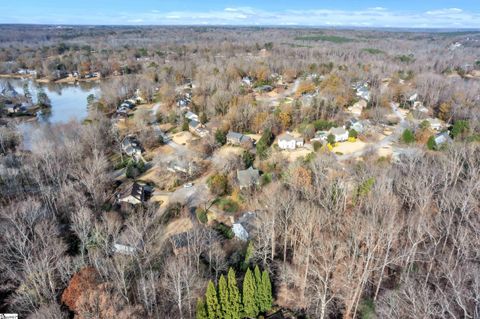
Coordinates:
(333, 236)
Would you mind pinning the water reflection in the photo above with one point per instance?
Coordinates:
(69, 101)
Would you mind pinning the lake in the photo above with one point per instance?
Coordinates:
(69, 102)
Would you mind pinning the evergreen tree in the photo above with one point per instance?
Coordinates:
(267, 289)
(431, 144)
(201, 312)
(224, 298)
(248, 295)
(408, 137)
(233, 295)
(248, 255)
(259, 292)
(213, 308)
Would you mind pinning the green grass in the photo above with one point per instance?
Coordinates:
(293, 45)
(228, 205)
(367, 309)
(326, 38)
(405, 58)
(373, 51)
(202, 216)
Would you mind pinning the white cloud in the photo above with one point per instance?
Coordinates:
(375, 17)
(448, 11)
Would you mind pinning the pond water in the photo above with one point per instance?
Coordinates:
(69, 102)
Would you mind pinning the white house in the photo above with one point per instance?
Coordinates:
(192, 116)
(442, 138)
(244, 226)
(124, 249)
(287, 141)
(435, 124)
(247, 80)
(340, 133)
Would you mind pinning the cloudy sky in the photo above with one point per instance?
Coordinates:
(366, 13)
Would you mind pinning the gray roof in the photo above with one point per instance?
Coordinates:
(248, 177)
(286, 137)
(337, 131)
(194, 124)
(238, 137)
(443, 137)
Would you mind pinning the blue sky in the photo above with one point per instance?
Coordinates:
(367, 13)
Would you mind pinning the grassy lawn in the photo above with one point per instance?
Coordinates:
(373, 51)
(228, 205)
(327, 38)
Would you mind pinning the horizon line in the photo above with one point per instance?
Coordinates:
(279, 26)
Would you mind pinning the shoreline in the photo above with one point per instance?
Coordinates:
(67, 80)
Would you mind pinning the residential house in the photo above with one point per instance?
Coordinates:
(264, 88)
(191, 116)
(135, 194)
(418, 106)
(124, 249)
(357, 108)
(340, 134)
(244, 226)
(129, 104)
(442, 138)
(286, 141)
(234, 138)
(362, 91)
(16, 109)
(122, 111)
(8, 91)
(195, 127)
(320, 136)
(130, 146)
(412, 99)
(180, 243)
(435, 124)
(355, 124)
(247, 80)
(248, 178)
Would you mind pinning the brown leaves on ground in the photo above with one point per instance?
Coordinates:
(84, 280)
(87, 297)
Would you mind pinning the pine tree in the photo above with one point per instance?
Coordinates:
(248, 255)
(224, 298)
(233, 294)
(259, 292)
(201, 312)
(248, 295)
(213, 308)
(267, 288)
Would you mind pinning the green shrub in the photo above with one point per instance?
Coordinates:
(220, 137)
(352, 133)
(431, 144)
(323, 125)
(248, 158)
(228, 205)
(373, 51)
(224, 230)
(317, 145)
(408, 137)
(266, 179)
(367, 309)
(202, 216)
(459, 128)
(331, 139)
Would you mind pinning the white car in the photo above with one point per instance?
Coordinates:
(187, 185)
